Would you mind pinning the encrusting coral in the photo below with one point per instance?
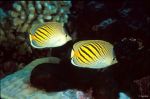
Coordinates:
(16, 21)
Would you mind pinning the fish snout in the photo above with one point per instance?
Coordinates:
(68, 38)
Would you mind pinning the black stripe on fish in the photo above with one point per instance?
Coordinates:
(78, 58)
(42, 33)
(83, 55)
(46, 31)
(101, 49)
(86, 54)
(37, 36)
(51, 29)
(98, 49)
(95, 47)
(38, 40)
(90, 51)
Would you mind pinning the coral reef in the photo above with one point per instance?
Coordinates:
(26, 13)
(17, 20)
(124, 23)
(2, 14)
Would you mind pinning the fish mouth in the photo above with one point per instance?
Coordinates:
(69, 38)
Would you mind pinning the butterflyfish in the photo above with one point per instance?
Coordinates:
(93, 54)
(48, 34)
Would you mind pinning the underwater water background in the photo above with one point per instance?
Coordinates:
(125, 24)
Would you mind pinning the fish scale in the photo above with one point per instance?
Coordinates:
(17, 86)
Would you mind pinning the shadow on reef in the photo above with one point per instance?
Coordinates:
(53, 77)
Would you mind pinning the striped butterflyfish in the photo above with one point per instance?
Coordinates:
(94, 54)
(48, 34)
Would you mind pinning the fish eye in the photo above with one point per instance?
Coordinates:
(66, 35)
